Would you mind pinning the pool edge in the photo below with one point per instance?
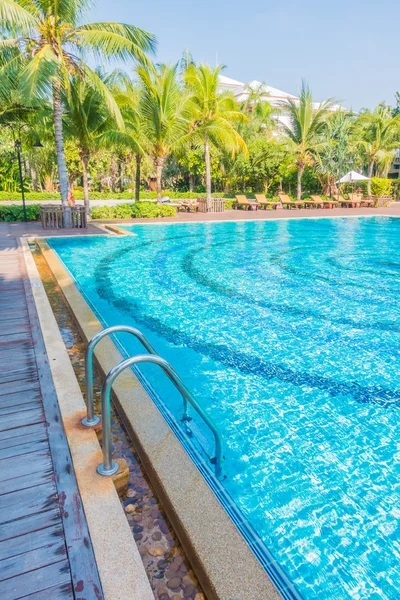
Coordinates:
(216, 550)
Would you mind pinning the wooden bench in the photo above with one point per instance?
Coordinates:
(56, 216)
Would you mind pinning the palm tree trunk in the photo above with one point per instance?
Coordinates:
(208, 173)
(59, 139)
(370, 171)
(300, 170)
(85, 160)
(191, 182)
(159, 170)
(137, 177)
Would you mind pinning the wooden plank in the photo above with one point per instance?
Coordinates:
(11, 436)
(18, 504)
(27, 543)
(27, 417)
(57, 592)
(36, 462)
(19, 399)
(26, 371)
(80, 552)
(52, 552)
(36, 581)
(30, 523)
(18, 408)
(26, 482)
(27, 448)
(18, 387)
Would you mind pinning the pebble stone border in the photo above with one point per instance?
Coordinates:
(170, 574)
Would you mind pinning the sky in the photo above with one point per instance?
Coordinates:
(343, 49)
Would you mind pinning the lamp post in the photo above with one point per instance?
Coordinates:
(17, 145)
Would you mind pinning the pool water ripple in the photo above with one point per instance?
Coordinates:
(287, 332)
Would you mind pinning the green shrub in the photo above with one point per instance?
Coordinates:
(16, 213)
(228, 204)
(144, 195)
(381, 187)
(140, 210)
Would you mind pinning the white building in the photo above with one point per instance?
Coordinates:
(275, 97)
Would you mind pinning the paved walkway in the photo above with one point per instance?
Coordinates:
(256, 215)
(45, 548)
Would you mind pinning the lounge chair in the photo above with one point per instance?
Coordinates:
(189, 205)
(286, 200)
(368, 201)
(241, 200)
(314, 202)
(263, 201)
(325, 203)
(350, 203)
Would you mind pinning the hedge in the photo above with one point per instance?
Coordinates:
(140, 210)
(53, 196)
(16, 213)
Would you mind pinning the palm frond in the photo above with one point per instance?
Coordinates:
(36, 78)
(115, 40)
(16, 17)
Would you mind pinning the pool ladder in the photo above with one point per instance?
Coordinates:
(108, 467)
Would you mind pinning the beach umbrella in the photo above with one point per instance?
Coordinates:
(352, 176)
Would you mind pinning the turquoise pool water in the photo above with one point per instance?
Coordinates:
(288, 333)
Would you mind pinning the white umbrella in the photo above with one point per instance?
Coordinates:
(352, 176)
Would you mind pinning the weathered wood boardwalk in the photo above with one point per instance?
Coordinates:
(45, 548)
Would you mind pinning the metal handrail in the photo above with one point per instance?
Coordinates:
(108, 467)
(91, 419)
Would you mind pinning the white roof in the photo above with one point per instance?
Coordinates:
(273, 95)
(228, 81)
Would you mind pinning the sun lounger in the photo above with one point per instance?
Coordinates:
(265, 202)
(189, 205)
(367, 201)
(241, 200)
(324, 203)
(350, 203)
(289, 203)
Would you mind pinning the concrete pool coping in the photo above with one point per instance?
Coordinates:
(119, 563)
(225, 565)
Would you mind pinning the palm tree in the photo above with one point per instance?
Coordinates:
(87, 119)
(334, 150)
(213, 116)
(380, 135)
(128, 94)
(48, 44)
(306, 126)
(163, 114)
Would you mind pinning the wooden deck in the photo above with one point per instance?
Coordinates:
(45, 548)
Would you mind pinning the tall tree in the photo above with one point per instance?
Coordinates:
(49, 44)
(163, 114)
(214, 116)
(379, 133)
(334, 150)
(87, 119)
(305, 128)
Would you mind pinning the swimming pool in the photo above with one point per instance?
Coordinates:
(287, 332)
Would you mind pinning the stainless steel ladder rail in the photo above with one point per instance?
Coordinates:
(91, 419)
(108, 467)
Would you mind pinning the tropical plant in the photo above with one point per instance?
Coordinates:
(379, 133)
(48, 46)
(214, 116)
(305, 128)
(87, 120)
(162, 113)
(334, 152)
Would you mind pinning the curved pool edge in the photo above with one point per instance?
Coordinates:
(204, 520)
